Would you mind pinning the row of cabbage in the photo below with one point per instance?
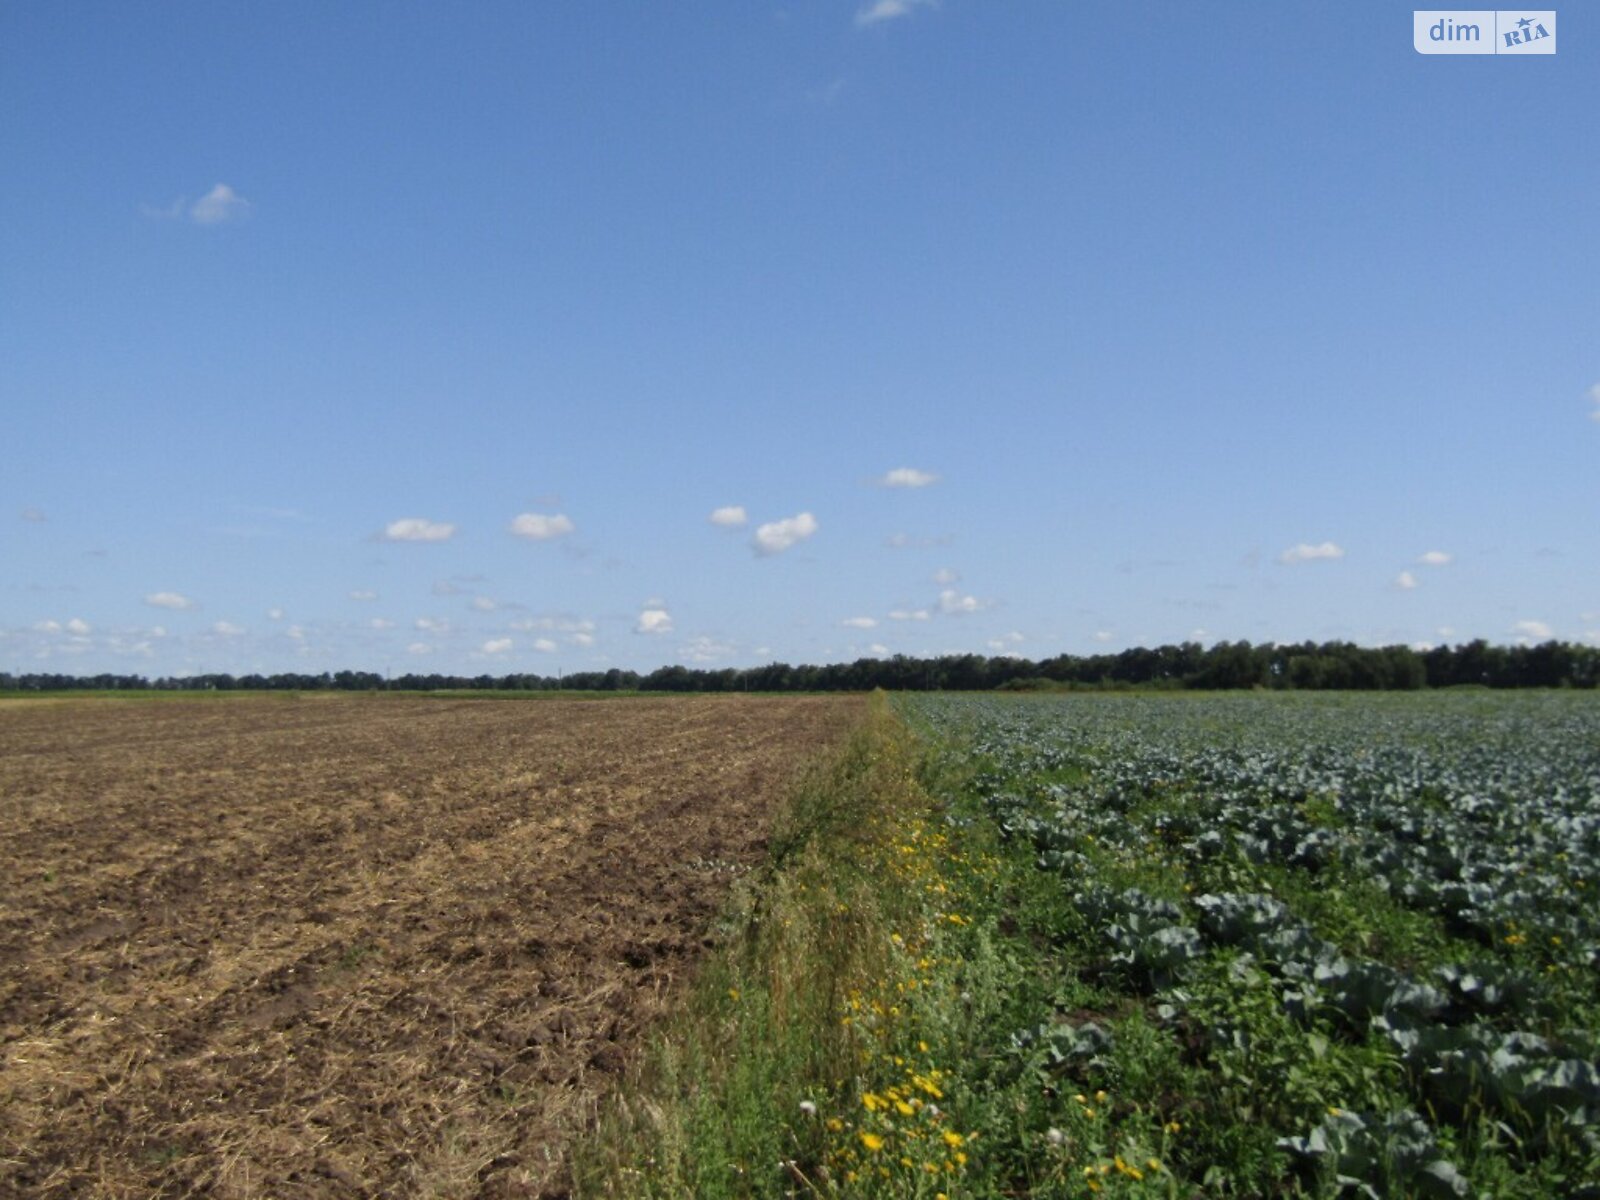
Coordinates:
(1478, 814)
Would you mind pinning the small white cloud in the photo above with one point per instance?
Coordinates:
(496, 646)
(33, 514)
(877, 650)
(945, 576)
(220, 204)
(381, 623)
(484, 604)
(1305, 552)
(1405, 581)
(1533, 629)
(706, 650)
(541, 527)
(888, 10)
(444, 587)
(432, 624)
(777, 536)
(158, 631)
(226, 629)
(47, 627)
(274, 614)
(859, 623)
(544, 646)
(168, 600)
(419, 648)
(910, 614)
(295, 633)
(908, 477)
(418, 529)
(1009, 642)
(1434, 558)
(78, 626)
(1103, 635)
(1594, 394)
(1422, 647)
(581, 639)
(731, 516)
(654, 620)
(953, 603)
(1445, 631)
(364, 595)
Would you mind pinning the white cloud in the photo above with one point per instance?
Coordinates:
(1533, 629)
(226, 629)
(484, 604)
(545, 646)
(1445, 631)
(1008, 642)
(877, 650)
(581, 639)
(731, 516)
(777, 536)
(1434, 558)
(168, 600)
(220, 204)
(1422, 647)
(47, 627)
(418, 529)
(433, 624)
(295, 633)
(381, 623)
(953, 603)
(274, 614)
(1405, 581)
(910, 614)
(1305, 552)
(443, 587)
(33, 514)
(1103, 635)
(539, 527)
(905, 541)
(419, 648)
(78, 626)
(496, 646)
(945, 576)
(908, 477)
(705, 649)
(654, 620)
(363, 594)
(1594, 394)
(888, 10)
(859, 623)
(563, 624)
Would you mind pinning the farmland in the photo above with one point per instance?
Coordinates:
(1284, 945)
(342, 946)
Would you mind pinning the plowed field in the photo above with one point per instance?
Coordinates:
(354, 946)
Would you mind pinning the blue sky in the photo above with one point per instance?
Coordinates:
(430, 337)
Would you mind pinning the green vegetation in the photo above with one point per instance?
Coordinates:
(1142, 946)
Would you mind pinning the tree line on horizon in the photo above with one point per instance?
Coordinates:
(1304, 666)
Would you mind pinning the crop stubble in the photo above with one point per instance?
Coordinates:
(354, 946)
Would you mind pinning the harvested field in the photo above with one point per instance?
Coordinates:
(354, 946)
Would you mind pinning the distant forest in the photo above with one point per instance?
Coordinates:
(1226, 665)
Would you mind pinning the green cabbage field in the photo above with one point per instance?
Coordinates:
(1320, 945)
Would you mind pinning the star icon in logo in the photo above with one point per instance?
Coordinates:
(1524, 23)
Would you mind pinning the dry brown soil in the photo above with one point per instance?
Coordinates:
(354, 946)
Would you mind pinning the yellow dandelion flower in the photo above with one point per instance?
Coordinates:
(952, 1138)
(872, 1142)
